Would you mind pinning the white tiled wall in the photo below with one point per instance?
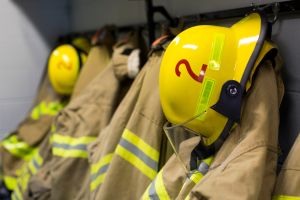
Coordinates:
(28, 30)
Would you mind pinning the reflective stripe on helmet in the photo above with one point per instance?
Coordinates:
(216, 52)
(138, 153)
(204, 97)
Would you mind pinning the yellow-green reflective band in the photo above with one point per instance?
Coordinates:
(53, 128)
(98, 171)
(160, 187)
(66, 146)
(38, 159)
(146, 194)
(204, 98)
(51, 109)
(33, 169)
(10, 182)
(143, 146)
(17, 195)
(187, 197)
(156, 189)
(18, 148)
(196, 177)
(138, 153)
(23, 182)
(285, 197)
(136, 162)
(51, 138)
(53, 131)
(216, 52)
(104, 161)
(208, 160)
(97, 182)
(35, 163)
(62, 139)
(73, 153)
(203, 168)
(24, 176)
(23, 169)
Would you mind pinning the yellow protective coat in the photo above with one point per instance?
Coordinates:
(42, 155)
(76, 126)
(245, 166)
(98, 59)
(19, 147)
(288, 181)
(126, 156)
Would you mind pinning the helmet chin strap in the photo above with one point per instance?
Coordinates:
(230, 102)
(229, 105)
(201, 151)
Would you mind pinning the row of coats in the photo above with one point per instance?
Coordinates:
(108, 142)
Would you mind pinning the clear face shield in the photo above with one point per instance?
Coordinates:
(183, 140)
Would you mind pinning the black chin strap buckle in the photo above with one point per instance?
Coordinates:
(200, 152)
(230, 101)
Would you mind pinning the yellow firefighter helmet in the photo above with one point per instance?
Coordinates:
(205, 71)
(64, 64)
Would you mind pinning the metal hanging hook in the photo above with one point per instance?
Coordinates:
(275, 9)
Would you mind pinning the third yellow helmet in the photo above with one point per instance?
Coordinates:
(64, 64)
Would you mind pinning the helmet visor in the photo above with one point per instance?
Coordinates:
(183, 140)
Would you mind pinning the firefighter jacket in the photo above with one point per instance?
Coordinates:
(74, 128)
(127, 154)
(245, 166)
(19, 146)
(288, 181)
(98, 58)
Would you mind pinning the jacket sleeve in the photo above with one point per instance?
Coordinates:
(288, 182)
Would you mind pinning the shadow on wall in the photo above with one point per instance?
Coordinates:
(49, 18)
(285, 34)
(29, 31)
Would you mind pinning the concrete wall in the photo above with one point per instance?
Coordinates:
(28, 32)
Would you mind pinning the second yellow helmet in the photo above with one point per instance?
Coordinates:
(64, 64)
